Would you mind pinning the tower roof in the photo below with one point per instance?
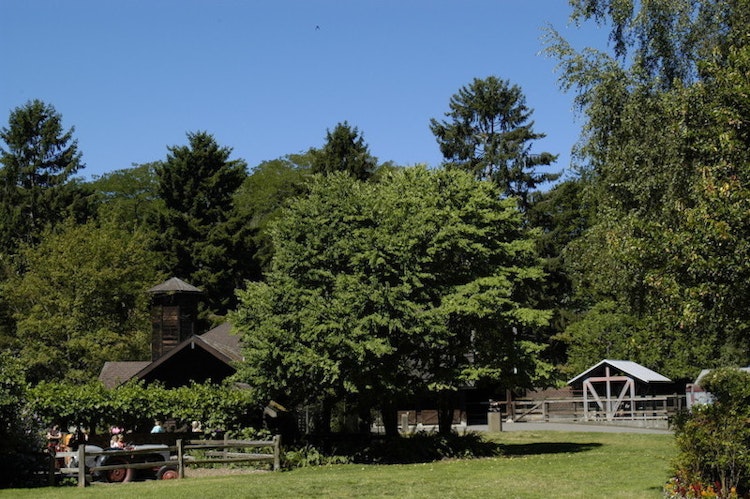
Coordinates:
(174, 285)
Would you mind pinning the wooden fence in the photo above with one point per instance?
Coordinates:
(648, 408)
(179, 453)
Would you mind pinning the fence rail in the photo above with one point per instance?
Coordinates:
(576, 409)
(60, 461)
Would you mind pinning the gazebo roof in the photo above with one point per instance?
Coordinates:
(628, 367)
(174, 285)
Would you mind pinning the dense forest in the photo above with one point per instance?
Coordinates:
(356, 279)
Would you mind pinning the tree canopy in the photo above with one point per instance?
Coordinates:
(81, 301)
(398, 285)
(665, 154)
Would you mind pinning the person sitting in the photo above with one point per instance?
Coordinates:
(118, 441)
(158, 428)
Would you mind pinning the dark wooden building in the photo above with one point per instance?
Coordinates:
(179, 356)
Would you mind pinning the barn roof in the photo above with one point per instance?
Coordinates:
(627, 367)
(114, 374)
(174, 285)
(219, 343)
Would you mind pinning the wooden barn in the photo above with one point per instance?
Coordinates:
(618, 389)
(179, 356)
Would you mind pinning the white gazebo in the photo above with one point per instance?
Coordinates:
(613, 385)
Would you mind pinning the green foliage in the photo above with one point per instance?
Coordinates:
(664, 154)
(713, 438)
(344, 151)
(136, 405)
(262, 195)
(78, 300)
(399, 284)
(36, 189)
(489, 133)
(307, 455)
(19, 443)
(129, 196)
(197, 230)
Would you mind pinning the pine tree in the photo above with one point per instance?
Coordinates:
(489, 133)
(35, 173)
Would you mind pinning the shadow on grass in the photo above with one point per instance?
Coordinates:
(546, 448)
(423, 447)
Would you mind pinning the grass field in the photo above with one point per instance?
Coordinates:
(534, 465)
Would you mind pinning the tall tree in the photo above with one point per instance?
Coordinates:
(377, 290)
(665, 151)
(489, 133)
(344, 151)
(36, 171)
(197, 183)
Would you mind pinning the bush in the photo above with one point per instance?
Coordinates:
(713, 439)
(136, 405)
(21, 459)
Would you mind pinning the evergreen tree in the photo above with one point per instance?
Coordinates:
(489, 133)
(344, 151)
(36, 171)
(197, 231)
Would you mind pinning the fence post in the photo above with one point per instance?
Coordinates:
(82, 465)
(276, 452)
(52, 468)
(180, 459)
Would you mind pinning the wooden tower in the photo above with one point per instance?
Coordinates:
(174, 313)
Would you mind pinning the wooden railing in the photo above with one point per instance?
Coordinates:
(575, 409)
(179, 462)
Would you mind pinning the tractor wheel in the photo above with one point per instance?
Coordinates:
(119, 474)
(167, 473)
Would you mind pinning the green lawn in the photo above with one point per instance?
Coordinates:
(535, 465)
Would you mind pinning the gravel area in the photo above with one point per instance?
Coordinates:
(192, 472)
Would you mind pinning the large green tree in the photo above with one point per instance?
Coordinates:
(489, 132)
(81, 301)
(665, 153)
(198, 229)
(381, 290)
(36, 168)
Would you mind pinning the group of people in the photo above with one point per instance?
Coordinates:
(57, 441)
(117, 440)
(195, 427)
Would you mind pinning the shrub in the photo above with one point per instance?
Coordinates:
(20, 442)
(713, 439)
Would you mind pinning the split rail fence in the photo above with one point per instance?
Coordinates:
(215, 452)
(648, 408)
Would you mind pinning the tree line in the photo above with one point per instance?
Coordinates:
(358, 281)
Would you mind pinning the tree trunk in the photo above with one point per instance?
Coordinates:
(445, 412)
(390, 419)
(323, 424)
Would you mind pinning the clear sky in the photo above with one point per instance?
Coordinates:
(268, 78)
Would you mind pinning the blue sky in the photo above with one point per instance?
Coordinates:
(267, 78)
